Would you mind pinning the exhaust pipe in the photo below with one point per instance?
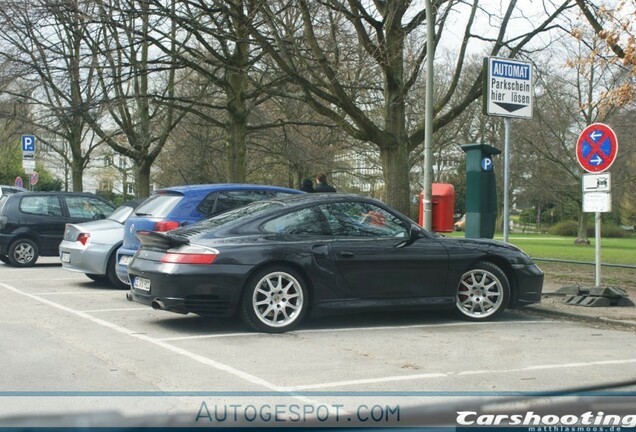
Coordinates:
(158, 305)
(129, 296)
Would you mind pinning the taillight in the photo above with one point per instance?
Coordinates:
(163, 226)
(83, 238)
(190, 255)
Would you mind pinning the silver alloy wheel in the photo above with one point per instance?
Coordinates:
(480, 294)
(278, 299)
(24, 253)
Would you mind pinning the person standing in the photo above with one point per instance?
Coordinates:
(322, 185)
(307, 186)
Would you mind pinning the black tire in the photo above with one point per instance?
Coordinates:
(111, 272)
(483, 292)
(280, 305)
(4, 259)
(96, 277)
(23, 252)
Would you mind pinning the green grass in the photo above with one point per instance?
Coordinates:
(613, 250)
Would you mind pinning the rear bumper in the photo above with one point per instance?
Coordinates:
(203, 290)
(91, 260)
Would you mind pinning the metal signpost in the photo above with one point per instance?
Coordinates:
(596, 151)
(507, 93)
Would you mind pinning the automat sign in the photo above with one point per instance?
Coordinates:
(508, 88)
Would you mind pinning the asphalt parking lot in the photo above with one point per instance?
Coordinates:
(72, 344)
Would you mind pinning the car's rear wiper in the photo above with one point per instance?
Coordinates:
(142, 214)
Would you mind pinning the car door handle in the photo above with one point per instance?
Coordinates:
(345, 254)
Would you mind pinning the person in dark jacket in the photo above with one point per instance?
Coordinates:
(307, 186)
(322, 185)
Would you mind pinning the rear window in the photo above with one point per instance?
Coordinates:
(121, 214)
(236, 215)
(220, 202)
(158, 205)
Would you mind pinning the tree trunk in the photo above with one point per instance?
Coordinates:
(396, 176)
(142, 179)
(235, 149)
(581, 237)
(236, 84)
(77, 171)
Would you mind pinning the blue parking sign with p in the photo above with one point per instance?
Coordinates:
(486, 164)
(28, 144)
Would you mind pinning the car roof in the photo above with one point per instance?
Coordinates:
(220, 187)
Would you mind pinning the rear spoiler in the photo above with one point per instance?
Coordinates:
(160, 240)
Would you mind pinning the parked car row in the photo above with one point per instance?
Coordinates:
(270, 255)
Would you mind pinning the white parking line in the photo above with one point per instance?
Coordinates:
(353, 329)
(462, 373)
(73, 292)
(119, 310)
(45, 280)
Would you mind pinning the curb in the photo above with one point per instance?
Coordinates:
(551, 313)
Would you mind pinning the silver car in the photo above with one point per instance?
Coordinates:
(91, 247)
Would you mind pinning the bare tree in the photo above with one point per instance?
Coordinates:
(134, 84)
(43, 43)
(311, 52)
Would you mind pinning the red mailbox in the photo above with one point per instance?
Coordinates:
(443, 207)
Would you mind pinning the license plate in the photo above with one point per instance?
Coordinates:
(66, 257)
(125, 260)
(141, 284)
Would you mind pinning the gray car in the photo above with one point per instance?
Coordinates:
(91, 247)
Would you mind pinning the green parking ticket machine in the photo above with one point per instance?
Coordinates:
(481, 191)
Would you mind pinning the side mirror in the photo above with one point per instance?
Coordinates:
(415, 232)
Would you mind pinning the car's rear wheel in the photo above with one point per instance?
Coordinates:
(23, 253)
(111, 272)
(275, 300)
(483, 292)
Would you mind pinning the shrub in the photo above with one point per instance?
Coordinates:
(609, 230)
(570, 229)
(565, 229)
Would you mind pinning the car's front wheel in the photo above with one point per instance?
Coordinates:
(275, 300)
(483, 292)
(23, 253)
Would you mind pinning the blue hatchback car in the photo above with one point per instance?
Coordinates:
(171, 208)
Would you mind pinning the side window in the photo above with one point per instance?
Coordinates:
(87, 207)
(207, 205)
(234, 199)
(359, 219)
(307, 221)
(41, 205)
